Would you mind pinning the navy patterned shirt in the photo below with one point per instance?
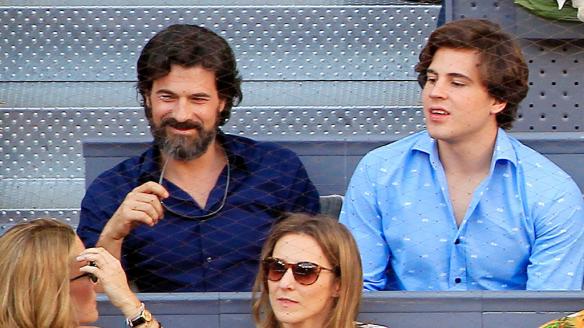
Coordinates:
(219, 253)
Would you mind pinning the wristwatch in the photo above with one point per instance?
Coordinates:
(144, 316)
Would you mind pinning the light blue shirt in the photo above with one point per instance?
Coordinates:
(523, 229)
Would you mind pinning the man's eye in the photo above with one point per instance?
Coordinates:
(165, 97)
(458, 83)
(431, 80)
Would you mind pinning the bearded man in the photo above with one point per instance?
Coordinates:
(191, 213)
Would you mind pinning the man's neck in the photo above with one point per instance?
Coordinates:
(468, 157)
(197, 177)
(465, 164)
(212, 158)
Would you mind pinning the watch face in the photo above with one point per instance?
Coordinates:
(144, 317)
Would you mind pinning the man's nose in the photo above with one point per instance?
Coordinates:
(182, 110)
(437, 90)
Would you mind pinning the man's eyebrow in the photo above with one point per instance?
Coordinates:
(159, 91)
(197, 94)
(459, 75)
(201, 95)
(453, 74)
(430, 71)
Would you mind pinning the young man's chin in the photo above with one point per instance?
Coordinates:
(438, 133)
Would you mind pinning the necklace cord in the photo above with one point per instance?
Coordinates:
(197, 217)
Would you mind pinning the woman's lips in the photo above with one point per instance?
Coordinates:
(286, 302)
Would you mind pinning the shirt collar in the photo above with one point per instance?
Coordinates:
(235, 148)
(150, 165)
(503, 148)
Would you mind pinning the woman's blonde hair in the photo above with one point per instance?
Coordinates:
(35, 267)
(340, 249)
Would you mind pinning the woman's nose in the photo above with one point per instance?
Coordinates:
(287, 280)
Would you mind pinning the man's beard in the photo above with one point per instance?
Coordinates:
(181, 147)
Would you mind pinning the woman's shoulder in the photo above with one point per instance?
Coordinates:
(368, 325)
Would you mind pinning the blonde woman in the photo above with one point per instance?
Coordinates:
(49, 279)
(309, 276)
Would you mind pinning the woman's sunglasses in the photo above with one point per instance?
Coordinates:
(305, 273)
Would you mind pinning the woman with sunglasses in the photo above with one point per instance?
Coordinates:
(310, 276)
(49, 279)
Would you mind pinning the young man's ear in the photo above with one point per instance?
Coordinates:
(498, 106)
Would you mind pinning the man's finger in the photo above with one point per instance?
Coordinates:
(152, 187)
(153, 201)
(143, 217)
(147, 208)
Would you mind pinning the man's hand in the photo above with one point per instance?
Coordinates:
(141, 206)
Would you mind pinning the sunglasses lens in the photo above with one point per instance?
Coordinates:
(305, 273)
(275, 269)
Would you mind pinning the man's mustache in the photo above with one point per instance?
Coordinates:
(173, 123)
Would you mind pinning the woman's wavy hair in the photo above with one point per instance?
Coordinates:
(35, 267)
(188, 46)
(503, 69)
(341, 251)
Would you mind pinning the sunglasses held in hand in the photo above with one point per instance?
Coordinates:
(305, 273)
(91, 276)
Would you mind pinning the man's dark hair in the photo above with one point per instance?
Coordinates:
(188, 46)
(503, 69)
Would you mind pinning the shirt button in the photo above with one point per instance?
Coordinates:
(209, 259)
(457, 241)
(457, 280)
